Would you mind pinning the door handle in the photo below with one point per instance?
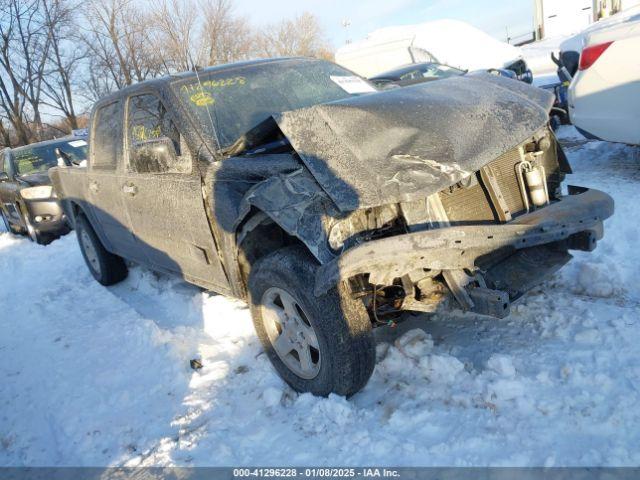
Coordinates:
(130, 189)
(94, 186)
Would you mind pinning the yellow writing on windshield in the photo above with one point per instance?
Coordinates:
(200, 93)
(202, 99)
(225, 82)
(213, 83)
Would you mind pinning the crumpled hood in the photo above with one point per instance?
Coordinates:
(408, 143)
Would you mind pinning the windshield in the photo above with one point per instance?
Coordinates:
(40, 158)
(431, 71)
(237, 99)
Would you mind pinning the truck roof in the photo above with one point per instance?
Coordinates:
(182, 75)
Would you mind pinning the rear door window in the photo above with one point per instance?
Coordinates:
(155, 144)
(107, 137)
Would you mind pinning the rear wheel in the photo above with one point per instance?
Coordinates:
(321, 344)
(105, 267)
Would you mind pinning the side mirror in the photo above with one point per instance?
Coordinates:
(157, 155)
(527, 77)
(4, 177)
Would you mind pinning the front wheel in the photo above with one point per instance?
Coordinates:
(321, 344)
(33, 234)
(105, 267)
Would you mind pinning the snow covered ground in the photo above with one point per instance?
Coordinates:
(100, 376)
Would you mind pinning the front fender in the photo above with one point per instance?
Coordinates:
(298, 205)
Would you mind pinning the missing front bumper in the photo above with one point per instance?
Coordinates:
(575, 222)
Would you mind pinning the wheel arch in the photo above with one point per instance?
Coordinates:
(73, 208)
(257, 235)
(291, 206)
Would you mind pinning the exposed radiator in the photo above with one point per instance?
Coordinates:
(471, 205)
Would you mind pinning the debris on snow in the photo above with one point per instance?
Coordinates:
(195, 364)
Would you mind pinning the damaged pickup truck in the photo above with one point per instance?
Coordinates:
(330, 207)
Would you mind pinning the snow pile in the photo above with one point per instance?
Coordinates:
(100, 376)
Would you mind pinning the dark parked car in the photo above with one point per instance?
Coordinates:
(27, 201)
(328, 208)
(428, 71)
(415, 73)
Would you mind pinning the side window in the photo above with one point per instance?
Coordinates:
(154, 140)
(107, 137)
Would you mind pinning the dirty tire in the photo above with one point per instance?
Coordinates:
(341, 324)
(105, 267)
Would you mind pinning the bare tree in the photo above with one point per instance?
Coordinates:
(176, 33)
(24, 48)
(64, 58)
(190, 33)
(300, 36)
(54, 51)
(5, 134)
(226, 37)
(11, 102)
(13, 106)
(119, 44)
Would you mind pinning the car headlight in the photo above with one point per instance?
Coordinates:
(37, 193)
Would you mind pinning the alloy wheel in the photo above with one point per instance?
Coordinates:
(290, 333)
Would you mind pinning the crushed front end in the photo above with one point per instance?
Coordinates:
(481, 242)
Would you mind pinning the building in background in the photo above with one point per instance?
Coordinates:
(554, 18)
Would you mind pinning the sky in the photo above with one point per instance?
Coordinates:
(494, 17)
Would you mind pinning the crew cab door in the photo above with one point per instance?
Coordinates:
(163, 194)
(104, 183)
